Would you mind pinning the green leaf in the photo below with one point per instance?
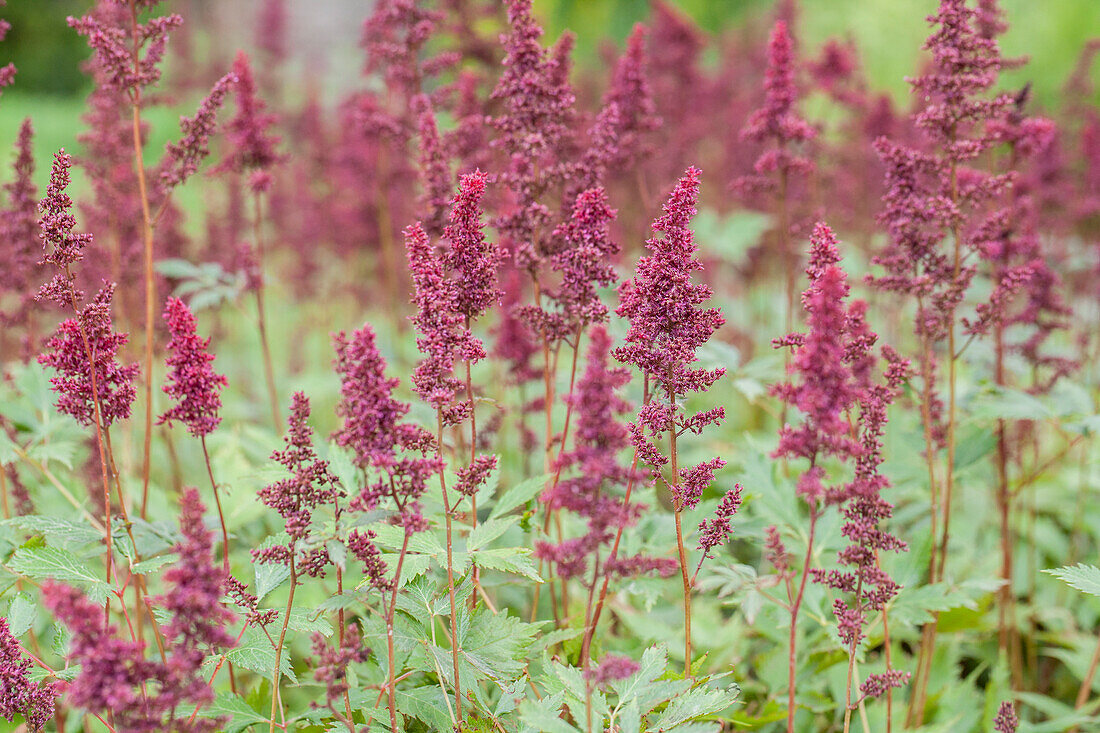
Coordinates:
(8, 453)
(58, 564)
(546, 641)
(393, 537)
(509, 559)
(693, 705)
(916, 605)
(544, 716)
(177, 269)
(996, 402)
(307, 621)
(234, 707)
(519, 494)
(153, 564)
(492, 646)
(426, 704)
(58, 531)
(340, 601)
(413, 566)
(1085, 578)
(269, 576)
(495, 644)
(488, 531)
(338, 553)
(21, 614)
(61, 451)
(696, 728)
(255, 653)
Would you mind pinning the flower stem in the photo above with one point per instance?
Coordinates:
(218, 502)
(852, 664)
(796, 604)
(147, 241)
(276, 674)
(269, 371)
(450, 564)
(391, 681)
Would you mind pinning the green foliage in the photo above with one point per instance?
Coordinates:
(58, 564)
(1085, 578)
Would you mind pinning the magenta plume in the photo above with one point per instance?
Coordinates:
(192, 381)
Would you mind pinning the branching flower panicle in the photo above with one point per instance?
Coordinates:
(192, 380)
(252, 146)
(18, 694)
(183, 158)
(67, 352)
(310, 485)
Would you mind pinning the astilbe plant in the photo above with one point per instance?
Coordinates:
(117, 680)
(91, 385)
(20, 695)
(452, 289)
(831, 380)
(782, 170)
(253, 153)
(392, 454)
(128, 47)
(532, 178)
(667, 326)
(937, 213)
(19, 224)
(196, 387)
(620, 135)
(1027, 297)
(593, 475)
(311, 485)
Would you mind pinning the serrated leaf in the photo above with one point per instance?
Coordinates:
(153, 564)
(255, 653)
(61, 451)
(518, 495)
(639, 686)
(426, 704)
(495, 643)
(1085, 578)
(544, 716)
(392, 537)
(413, 566)
(488, 531)
(269, 576)
(57, 530)
(21, 614)
(58, 564)
(308, 622)
(545, 641)
(509, 559)
(693, 705)
(233, 707)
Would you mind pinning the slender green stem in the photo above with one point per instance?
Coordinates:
(391, 681)
(450, 565)
(277, 672)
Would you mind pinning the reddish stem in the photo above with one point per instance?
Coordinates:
(795, 606)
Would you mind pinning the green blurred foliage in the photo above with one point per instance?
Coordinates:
(43, 47)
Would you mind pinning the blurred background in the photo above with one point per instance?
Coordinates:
(323, 37)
